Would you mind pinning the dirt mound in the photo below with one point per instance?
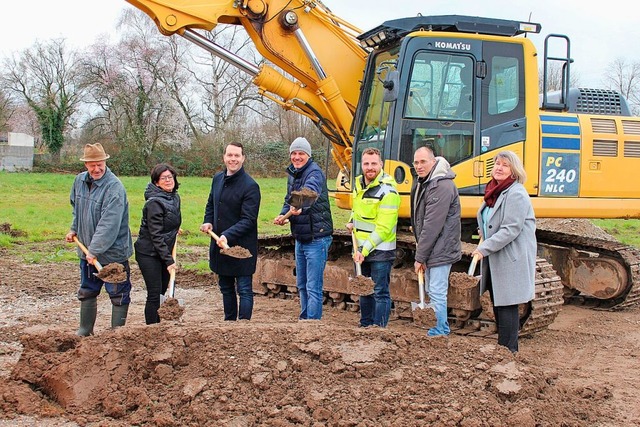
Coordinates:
(576, 226)
(361, 285)
(277, 371)
(237, 252)
(113, 273)
(170, 309)
(5, 228)
(424, 317)
(305, 373)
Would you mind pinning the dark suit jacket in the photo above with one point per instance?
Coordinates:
(232, 209)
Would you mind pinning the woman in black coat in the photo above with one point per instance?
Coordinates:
(232, 213)
(161, 219)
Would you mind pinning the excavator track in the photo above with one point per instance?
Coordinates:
(275, 278)
(603, 274)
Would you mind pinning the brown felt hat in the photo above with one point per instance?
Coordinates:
(94, 153)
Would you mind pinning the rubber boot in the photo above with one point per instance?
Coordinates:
(88, 312)
(119, 315)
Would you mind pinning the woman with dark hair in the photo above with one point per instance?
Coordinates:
(508, 252)
(159, 228)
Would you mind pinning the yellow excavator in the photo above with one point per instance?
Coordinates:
(467, 87)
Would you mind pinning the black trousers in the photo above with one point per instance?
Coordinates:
(507, 320)
(156, 278)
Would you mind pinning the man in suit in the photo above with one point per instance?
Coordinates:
(232, 213)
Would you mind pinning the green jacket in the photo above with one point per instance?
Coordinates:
(375, 214)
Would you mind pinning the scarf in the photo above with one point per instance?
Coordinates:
(493, 190)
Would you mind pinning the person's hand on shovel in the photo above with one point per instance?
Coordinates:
(419, 267)
(91, 258)
(478, 254)
(283, 219)
(222, 242)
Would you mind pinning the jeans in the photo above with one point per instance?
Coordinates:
(437, 283)
(230, 294)
(156, 278)
(90, 285)
(311, 259)
(375, 309)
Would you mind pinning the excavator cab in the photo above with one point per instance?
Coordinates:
(459, 91)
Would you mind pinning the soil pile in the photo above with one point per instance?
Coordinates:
(576, 226)
(305, 373)
(302, 198)
(276, 371)
(424, 317)
(361, 285)
(113, 273)
(237, 252)
(170, 309)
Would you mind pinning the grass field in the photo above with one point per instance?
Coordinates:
(38, 206)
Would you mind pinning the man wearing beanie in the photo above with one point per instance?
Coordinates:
(311, 226)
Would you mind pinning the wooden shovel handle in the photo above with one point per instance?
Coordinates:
(217, 238)
(174, 249)
(86, 252)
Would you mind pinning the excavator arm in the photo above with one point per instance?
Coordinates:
(318, 51)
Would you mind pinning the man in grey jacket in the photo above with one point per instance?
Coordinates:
(435, 218)
(101, 223)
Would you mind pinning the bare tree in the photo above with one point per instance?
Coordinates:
(7, 110)
(228, 93)
(45, 77)
(624, 77)
(554, 78)
(130, 101)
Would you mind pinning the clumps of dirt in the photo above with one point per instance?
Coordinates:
(463, 280)
(487, 306)
(361, 285)
(236, 252)
(464, 291)
(301, 373)
(424, 317)
(170, 309)
(112, 273)
(5, 228)
(302, 197)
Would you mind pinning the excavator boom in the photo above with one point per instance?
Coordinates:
(319, 50)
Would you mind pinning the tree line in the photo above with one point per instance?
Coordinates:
(147, 98)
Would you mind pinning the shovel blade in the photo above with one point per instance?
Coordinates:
(418, 305)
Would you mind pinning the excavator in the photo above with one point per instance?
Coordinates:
(467, 87)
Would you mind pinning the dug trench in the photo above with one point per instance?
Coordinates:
(277, 371)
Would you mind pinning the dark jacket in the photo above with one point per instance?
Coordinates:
(161, 219)
(315, 221)
(435, 217)
(232, 209)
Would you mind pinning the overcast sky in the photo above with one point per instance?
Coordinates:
(599, 34)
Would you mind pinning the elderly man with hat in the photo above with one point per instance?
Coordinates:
(101, 223)
(311, 226)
